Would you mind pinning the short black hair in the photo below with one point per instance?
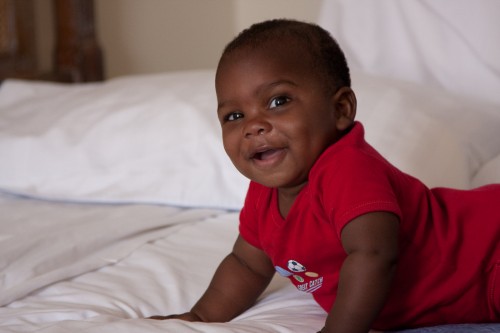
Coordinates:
(327, 56)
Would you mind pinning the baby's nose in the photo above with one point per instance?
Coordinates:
(257, 127)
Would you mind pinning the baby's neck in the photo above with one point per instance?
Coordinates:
(286, 198)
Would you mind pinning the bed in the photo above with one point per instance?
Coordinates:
(117, 200)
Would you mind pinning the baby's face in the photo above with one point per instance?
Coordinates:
(275, 113)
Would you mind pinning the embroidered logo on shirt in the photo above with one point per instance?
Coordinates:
(309, 281)
(295, 266)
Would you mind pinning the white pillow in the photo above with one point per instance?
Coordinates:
(153, 138)
(438, 137)
(156, 138)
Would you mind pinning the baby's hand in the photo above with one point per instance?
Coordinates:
(188, 316)
(371, 331)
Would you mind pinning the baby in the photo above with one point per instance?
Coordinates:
(376, 248)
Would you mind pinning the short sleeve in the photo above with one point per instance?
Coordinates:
(249, 220)
(357, 184)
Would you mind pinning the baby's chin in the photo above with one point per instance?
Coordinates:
(280, 183)
(269, 181)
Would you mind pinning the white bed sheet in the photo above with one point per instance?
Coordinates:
(157, 270)
(158, 260)
(44, 242)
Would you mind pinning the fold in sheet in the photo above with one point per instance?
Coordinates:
(44, 242)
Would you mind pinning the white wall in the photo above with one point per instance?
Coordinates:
(162, 35)
(159, 35)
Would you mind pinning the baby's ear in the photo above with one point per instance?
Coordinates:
(345, 107)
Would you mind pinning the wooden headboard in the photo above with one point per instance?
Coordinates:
(77, 56)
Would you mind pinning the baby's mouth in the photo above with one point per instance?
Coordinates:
(268, 157)
(265, 154)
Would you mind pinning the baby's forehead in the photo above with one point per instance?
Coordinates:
(317, 50)
(246, 65)
(261, 66)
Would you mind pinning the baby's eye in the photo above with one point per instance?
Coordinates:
(233, 116)
(278, 101)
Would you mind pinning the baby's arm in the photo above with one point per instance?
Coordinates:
(237, 283)
(371, 243)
